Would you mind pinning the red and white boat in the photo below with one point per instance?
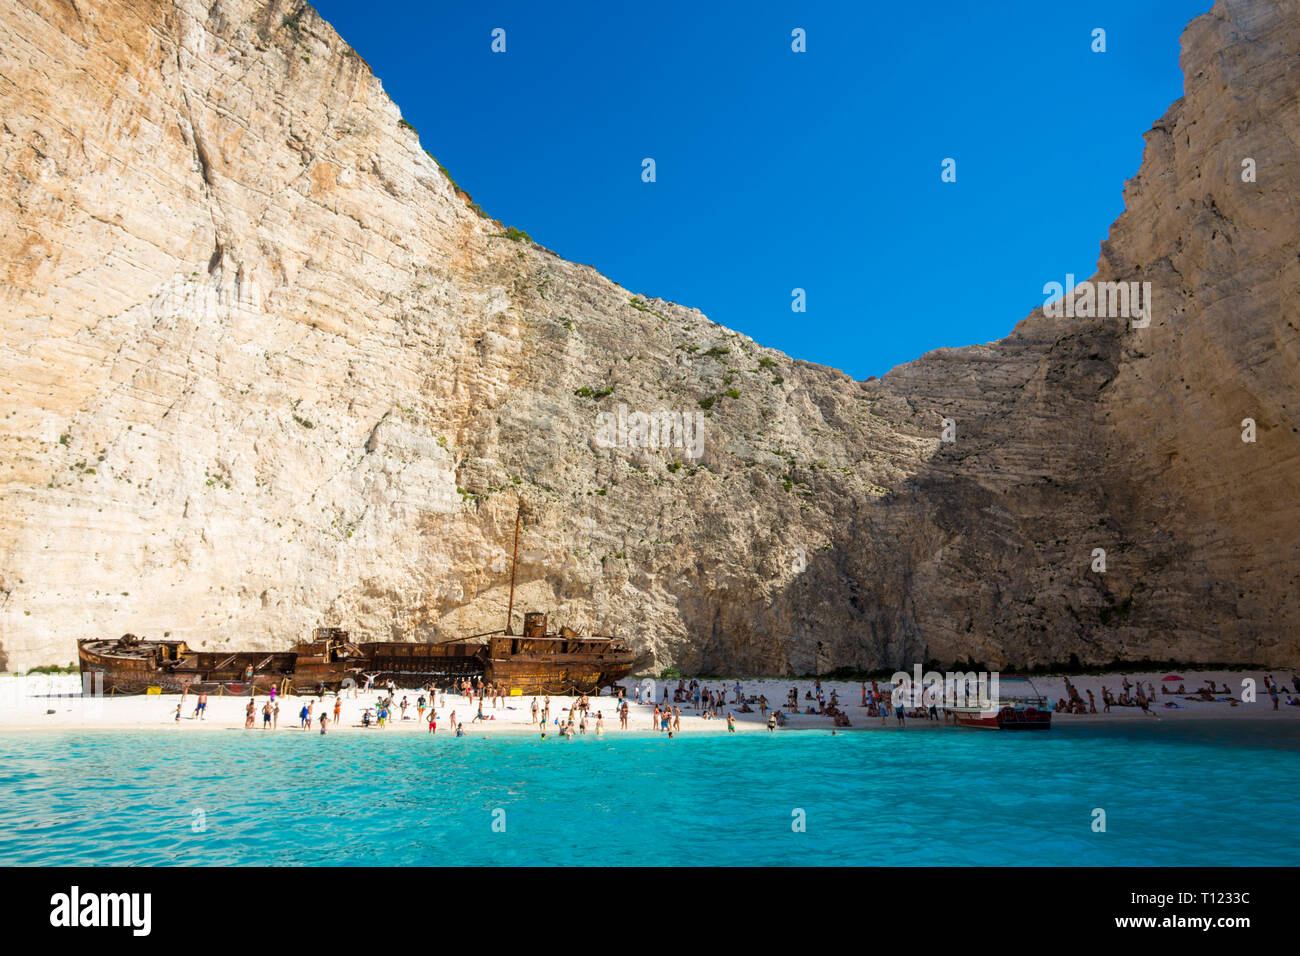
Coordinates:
(1019, 706)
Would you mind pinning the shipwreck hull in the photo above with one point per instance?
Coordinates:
(129, 669)
(548, 676)
(541, 664)
(532, 663)
(134, 666)
(415, 664)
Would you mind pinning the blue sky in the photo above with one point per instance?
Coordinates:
(777, 170)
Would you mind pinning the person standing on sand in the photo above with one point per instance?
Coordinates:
(622, 717)
(324, 721)
(677, 720)
(303, 718)
(275, 716)
(201, 708)
(266, 716)
(178, 710)
(655, 717)
(1092, 703)
(1272, 692)
(731, 723)
(1142, 700)
(600, 724)
(771, 721)
(533, 719)
(433, 721)
(249, 711)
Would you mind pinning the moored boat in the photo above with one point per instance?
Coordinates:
(1018, 706)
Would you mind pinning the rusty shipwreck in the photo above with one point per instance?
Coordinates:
(534, 662)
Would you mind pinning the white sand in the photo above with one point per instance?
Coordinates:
(55, 703)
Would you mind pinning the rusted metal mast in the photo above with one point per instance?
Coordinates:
(514, 561)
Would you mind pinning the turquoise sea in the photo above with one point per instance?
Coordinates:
(1194, 794)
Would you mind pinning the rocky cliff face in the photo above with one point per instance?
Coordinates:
(264, 368)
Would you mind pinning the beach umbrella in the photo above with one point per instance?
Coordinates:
(1171, 677)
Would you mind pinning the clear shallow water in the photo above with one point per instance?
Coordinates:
(1189, 795)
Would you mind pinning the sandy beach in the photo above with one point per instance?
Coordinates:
(55, 702)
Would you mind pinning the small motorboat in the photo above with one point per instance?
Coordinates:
(1018, 706)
